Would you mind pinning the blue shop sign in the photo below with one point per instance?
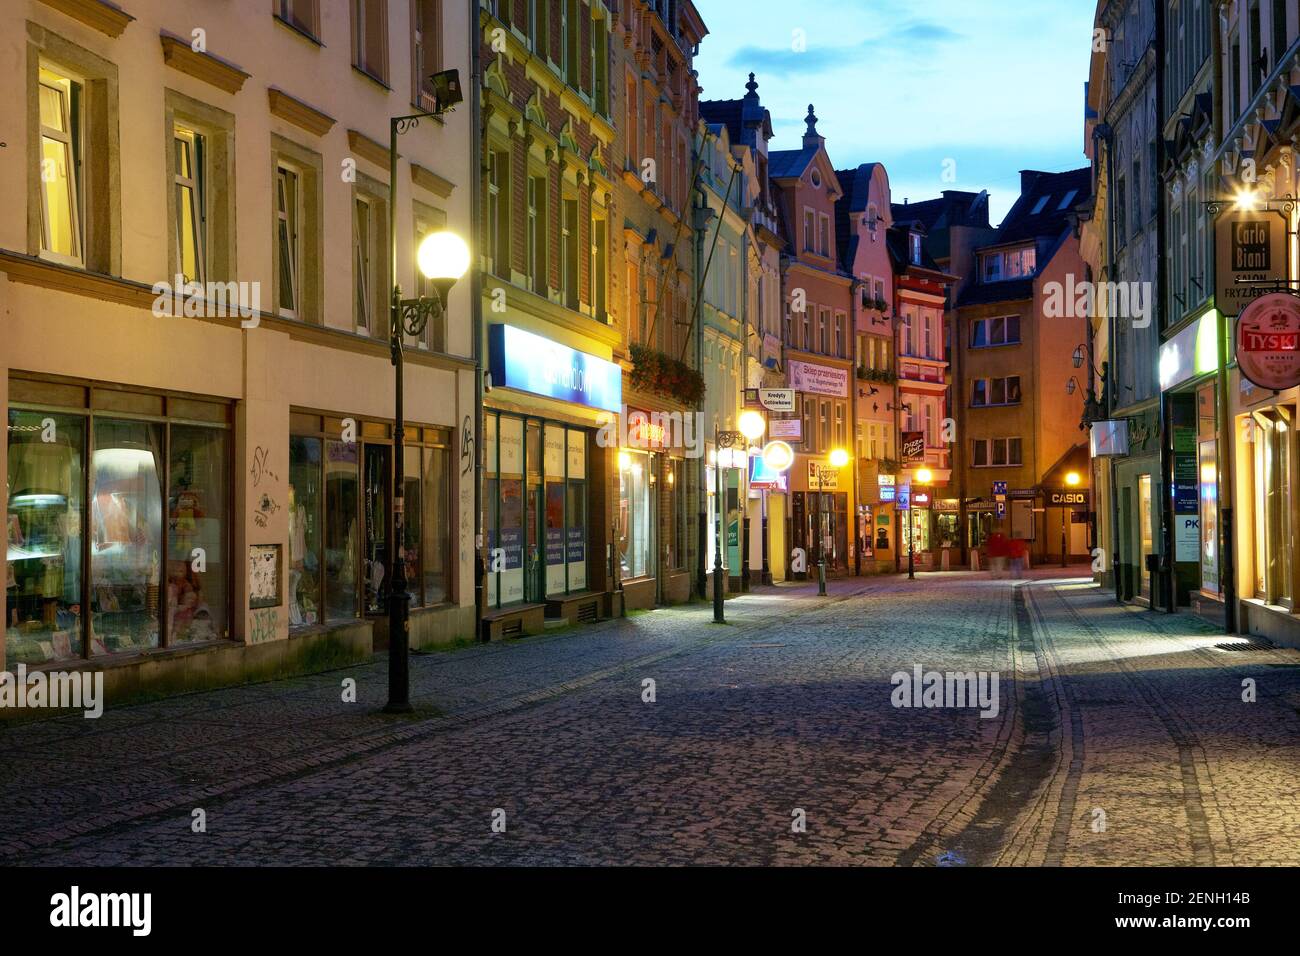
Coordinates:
(531, 363)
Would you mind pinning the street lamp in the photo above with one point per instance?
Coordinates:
(923, 477)
(442, 258)
(1071, 480)
(838, 458)
(724, 442)
(752, 425)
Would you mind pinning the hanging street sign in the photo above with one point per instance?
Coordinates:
(1268, 341)
(1249, 253)
(777, 399)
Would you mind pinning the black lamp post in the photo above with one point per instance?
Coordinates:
(443, 257)
(722, 440)
(923, 477)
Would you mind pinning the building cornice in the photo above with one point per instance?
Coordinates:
(213, 70)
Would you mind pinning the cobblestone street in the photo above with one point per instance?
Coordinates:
(1121, 738)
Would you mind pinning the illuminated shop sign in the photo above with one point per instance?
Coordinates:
(1193, 351)
(531, 363)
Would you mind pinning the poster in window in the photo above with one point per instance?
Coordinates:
(554, 537)
(263, 575)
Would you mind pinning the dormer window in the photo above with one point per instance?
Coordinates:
(1009, 264)
(914, 240)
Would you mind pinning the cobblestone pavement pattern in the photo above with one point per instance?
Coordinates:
(1121, 737)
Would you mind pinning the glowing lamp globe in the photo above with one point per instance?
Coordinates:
(751, 425)
(442, 257)
(839, 458)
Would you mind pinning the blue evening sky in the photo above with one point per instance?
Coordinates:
(994, 85)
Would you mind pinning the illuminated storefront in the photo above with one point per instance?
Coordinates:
(117, 521)
(541, 467)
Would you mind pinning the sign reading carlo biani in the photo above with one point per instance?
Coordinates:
(1268, 341)
(1250, 252)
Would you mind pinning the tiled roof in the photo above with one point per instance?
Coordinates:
(789, 163)
(1012, 290)
(1045, 204)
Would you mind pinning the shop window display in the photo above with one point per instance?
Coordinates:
(152, 497)
(197, 519)
(378, 563)
(304, 531)
(436, 534)
(411, 525)
(342, 485)
(541, 525)
(126, 535)
(634, 514)
(46, 475)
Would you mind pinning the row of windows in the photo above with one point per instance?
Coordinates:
(1190, 248)
(920, 336)
(875, 353)
(824, 424)
(1003, 330)
(1262, 36)
(816, 329)
(1009, 264)
(73, 148)
(995, 391)
(817, 232)
(1187, 28)
(368, 24)
(993, 452)
(875, 440)
(544, 215)
(563, 33)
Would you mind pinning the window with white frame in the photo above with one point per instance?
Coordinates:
(288, 209)
(1003, 330)
(498, 245)
(303, 15)
(370, 38)
(1007, 264)
(809, 229)
(535, 235)
(995, 391)
(995, 452)
(569, 252)
(363, 278)
(60, 168)
(191, 206)
(426, 50)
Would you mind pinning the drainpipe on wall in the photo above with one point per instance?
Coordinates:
(476, 314)
(1110, 387)
(1226, 432)
(702, 525)
(1166, 429)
